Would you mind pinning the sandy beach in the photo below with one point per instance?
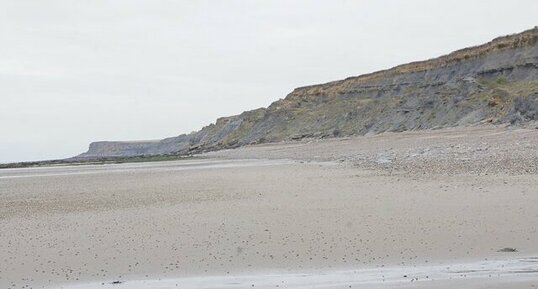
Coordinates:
(380, 205)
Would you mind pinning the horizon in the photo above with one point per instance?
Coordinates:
(113, 97)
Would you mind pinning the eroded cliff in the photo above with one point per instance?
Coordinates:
(496, 82)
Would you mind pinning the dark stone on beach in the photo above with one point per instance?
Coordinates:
(507, 250)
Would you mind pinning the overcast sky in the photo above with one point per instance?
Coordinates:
(72, 72)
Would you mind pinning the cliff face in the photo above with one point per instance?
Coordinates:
(492, 83)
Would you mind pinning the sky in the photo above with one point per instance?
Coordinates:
(73, 72)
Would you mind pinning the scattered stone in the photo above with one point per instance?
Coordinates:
(507, 250)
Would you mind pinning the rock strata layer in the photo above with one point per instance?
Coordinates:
(496, 82)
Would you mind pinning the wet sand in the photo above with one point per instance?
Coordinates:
(501, 272)
(78, 226)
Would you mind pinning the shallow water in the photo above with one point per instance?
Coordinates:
(132, 167)
(500, 270)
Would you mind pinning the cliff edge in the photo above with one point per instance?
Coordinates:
(496, 82)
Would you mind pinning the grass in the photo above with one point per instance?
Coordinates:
(501, 80)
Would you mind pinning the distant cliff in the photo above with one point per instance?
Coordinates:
(496, 82)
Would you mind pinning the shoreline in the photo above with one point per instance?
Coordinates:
(191, 164)
(302, 209)
(496, 270)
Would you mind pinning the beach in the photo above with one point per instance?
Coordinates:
(350, 209)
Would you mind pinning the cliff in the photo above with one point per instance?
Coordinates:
(496, 82)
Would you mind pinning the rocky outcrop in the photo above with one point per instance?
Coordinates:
(496, 82)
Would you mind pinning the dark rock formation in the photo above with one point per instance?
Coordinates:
(492, 83)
